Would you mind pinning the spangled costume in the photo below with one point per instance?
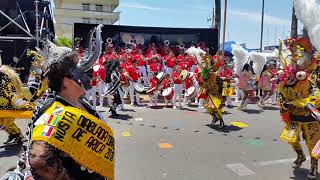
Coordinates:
(295, 92)
(67, 142)
(212, 83)
(14, 103)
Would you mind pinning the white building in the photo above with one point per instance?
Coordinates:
(68, 12)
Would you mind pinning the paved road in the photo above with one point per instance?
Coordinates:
(192, 149)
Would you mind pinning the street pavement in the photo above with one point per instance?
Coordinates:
(173, 144)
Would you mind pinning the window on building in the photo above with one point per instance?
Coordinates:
(86, 20)
(85, 7)
(99, 21)
(99, 7)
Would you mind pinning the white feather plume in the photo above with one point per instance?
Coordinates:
(240, 57)
(259, 60)
(196, 52)
(308, 12)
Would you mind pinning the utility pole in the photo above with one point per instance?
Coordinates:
(262, 22)
(224, 26)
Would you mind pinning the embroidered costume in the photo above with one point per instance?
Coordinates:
(212, 83)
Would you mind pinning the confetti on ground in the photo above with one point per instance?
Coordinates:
(126, 134)
(254, 142)
(239, 124)
(165, 146)
(138, 119)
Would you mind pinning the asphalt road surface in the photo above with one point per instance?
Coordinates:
(158, 144)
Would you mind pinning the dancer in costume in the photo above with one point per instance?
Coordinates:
(68, 139)
(294, 93)
(265, 84)
(114, 88)
(14, 103)
(17, 101)
(212, 83)
(245, 78)
(306, 12)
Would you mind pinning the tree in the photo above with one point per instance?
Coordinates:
(217, 17)
(63, 41)
(294, 24)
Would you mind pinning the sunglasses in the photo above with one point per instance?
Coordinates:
(72, 77)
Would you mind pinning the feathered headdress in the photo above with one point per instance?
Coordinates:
(258, 60)
(204, 60)
(308, 11)
(240, 57)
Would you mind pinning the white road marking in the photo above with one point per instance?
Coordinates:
(280, 161)
(240, 169)
(138, 119)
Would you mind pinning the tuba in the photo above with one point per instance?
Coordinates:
(109, 40)
(181, 46)
(166, 42)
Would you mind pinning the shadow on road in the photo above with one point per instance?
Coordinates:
(9, 150)
(252, 111)
(271, 108)
(226, 129)
(156, 107)
(124, 117)
(188, 109)
(300, 173)
(128, 110)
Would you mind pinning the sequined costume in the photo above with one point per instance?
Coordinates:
(212, 83)
(295, 92)
(13, 103)
(114, 88)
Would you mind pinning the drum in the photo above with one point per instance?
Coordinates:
(160, 76)
(191, 75)
(150, 92)
(168, 93)
(139, 87)
(184, 74)
(191, 93)
(96, 68)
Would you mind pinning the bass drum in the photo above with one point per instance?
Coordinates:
(191, 93)
(160, 76)
(139, 87)
(168, 93)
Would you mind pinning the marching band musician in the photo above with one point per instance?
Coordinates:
(165, 84)
(101, 76)
(226, 75)
(186, 85)
(170, 61)
(91, 93)
(142, 66)
(124, 76)
(124, 82)
(153, 88)
(177, 80)
(134, 77)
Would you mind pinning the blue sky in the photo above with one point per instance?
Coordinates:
(243, 22)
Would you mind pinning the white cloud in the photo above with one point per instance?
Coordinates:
(256, 17)
(140, 6)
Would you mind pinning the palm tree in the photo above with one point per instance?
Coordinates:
(294, 24)
(217, 18)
